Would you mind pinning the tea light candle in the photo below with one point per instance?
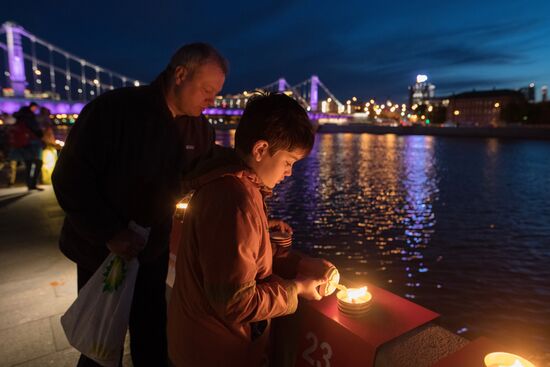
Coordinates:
(356, 295)
(181, 206)
(501, 359)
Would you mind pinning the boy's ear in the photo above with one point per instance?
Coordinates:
(260, 149)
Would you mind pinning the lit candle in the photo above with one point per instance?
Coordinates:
(354, 301)
(356, 295)
(181, 206)
(501, 359)
(180, 209)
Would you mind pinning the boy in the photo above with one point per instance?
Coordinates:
(225, 292)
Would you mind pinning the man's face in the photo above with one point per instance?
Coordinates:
(194, 92)
(272, 169)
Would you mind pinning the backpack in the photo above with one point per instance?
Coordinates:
(19, 135)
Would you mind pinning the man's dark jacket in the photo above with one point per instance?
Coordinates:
(123, 160)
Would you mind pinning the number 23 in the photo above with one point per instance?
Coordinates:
(325, 347)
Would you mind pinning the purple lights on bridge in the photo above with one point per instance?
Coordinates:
(11, 105)
(223, 112)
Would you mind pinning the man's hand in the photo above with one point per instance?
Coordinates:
(126, 244)
(314, 267)
(279, 225)
(307, 287)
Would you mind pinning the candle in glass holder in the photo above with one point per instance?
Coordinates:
(502, 359)
(355, 295)
(354, 301)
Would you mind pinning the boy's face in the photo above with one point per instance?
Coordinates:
(272, 169)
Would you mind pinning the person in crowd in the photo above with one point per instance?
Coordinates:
(47, 126)
(26, 145)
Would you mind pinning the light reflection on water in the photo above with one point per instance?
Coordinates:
(460, 226)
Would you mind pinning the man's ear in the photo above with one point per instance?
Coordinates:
(260, 149)
(180, 74)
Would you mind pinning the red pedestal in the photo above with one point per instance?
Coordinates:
(471, 355)
(329, 338)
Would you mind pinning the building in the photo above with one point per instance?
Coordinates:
(481, 108)
(544, 91)
(421, 92)
(529, 92)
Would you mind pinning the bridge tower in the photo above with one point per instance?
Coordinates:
(282, 85)
(313, 95)
(16, 61)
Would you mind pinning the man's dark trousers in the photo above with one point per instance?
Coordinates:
(148, 343)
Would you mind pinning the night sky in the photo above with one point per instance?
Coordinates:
(357, 48)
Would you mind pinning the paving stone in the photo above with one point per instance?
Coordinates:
(66, 358)
(25, 342)
(60, 340)
(28, 305)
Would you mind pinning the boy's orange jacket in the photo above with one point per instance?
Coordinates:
(225, 293)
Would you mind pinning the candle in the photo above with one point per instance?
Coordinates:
(181, 206)
(354, 301)
(355, 295)
(181, 209)
(502, 359)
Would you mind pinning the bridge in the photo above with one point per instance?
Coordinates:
(36, 70)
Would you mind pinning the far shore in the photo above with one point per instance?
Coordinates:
(513, 132)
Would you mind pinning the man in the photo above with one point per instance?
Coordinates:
(225, 293)
(123, 161)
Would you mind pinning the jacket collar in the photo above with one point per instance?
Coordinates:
(225, 163)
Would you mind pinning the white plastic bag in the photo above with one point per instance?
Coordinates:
(96, 323)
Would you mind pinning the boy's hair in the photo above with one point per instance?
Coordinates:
(277, 119)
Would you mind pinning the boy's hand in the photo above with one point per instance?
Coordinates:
(307, 287)
(126, 244)
(280, 225)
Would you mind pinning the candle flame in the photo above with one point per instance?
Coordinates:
(502, 359)
(181, 206)
(517, 363)
(354, 293)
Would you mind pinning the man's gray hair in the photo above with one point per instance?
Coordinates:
(194, 55)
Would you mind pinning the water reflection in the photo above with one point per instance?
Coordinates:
(365, 202)
(420, 186)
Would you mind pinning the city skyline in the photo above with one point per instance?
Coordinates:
(363, 50)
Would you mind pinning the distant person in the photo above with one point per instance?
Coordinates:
(6, 120)
(46, 124)
(225, 293)
(123, 161)
(49, 155)
(26, 145)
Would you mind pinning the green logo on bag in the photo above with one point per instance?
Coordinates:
(114, 274)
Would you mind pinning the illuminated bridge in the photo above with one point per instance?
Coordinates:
(35, 70)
